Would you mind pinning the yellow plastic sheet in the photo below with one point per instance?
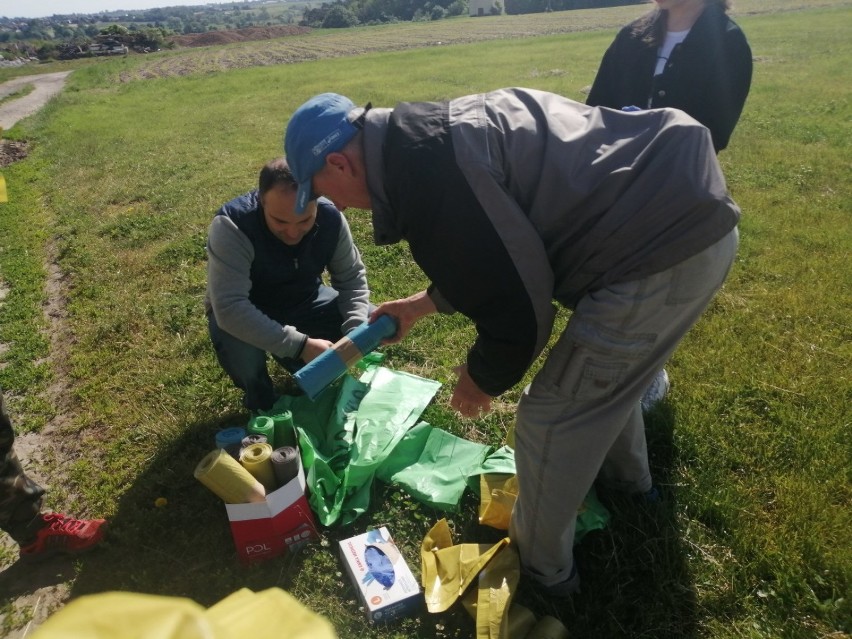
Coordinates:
(269, 614)
(548, 628)
(449, 570)
(497, 498)
(489, 602)
(521, 621)
(498, 493)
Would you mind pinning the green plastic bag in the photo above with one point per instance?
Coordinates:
(360, 429)
(501, 460)
(349, 430)
(433, 465)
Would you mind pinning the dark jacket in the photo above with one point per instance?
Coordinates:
(708, 75)
(254, 279)
(283, 276)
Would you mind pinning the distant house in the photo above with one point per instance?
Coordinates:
(481, 8)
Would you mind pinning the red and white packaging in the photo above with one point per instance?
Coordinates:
(268, 529)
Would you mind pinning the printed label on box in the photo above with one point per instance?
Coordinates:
(384, 582)
(270, 528)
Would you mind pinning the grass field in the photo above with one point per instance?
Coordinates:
(106, 226)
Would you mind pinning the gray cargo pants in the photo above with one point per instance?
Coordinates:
(580, 418)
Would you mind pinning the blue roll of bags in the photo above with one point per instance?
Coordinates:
(230, 435)
(315, 376)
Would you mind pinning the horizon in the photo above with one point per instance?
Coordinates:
(47, 8)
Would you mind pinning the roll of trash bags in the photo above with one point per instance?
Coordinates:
(284, 428)
(227, 478)
(257, 459)
(262, 425)
(229, 436)
(285, 464)
(315, 376)
(254, 438)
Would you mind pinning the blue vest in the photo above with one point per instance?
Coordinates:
(282, 276)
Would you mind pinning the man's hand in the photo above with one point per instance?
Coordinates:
(406, 312)
(467, 398)
(314, 347)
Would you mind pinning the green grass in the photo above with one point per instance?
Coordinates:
(752, 450)
(22, 277)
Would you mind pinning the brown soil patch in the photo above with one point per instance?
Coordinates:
(213, 38)
(12, 151)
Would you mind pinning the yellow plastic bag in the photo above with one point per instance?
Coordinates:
(489, 602)
(498, 493)
(497, 498)
(269, 614)
(449, 570)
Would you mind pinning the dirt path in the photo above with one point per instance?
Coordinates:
(46, 86)
(36, 591)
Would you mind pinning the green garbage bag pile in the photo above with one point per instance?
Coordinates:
(360, 429)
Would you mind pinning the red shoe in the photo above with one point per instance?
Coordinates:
(64, 535)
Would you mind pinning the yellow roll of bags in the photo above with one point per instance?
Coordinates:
(257, 459)
(224, 475)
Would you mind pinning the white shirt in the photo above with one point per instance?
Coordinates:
(673, 38)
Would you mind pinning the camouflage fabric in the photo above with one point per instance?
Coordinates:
(20, 497)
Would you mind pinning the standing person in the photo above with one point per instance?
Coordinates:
(511, 200)
(685, 54)
(265, 292)
(38, 534)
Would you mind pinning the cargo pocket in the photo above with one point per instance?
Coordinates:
(590, 362)
(598, 380)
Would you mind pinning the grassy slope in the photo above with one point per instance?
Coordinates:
(753, 450)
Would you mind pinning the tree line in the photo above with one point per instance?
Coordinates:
(349, 13)
(75, 35)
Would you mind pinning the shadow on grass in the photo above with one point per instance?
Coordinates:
(635, 579)
(183, 548)
(22, 578)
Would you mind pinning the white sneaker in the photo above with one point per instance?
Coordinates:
(656, 392)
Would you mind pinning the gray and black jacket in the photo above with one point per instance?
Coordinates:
(515, 198)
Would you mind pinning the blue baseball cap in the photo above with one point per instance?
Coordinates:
(322, 125)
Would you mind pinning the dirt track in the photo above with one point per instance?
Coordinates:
(46, 86)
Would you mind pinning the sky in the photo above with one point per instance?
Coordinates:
(42, 8)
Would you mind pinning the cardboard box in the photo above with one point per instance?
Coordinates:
(267, 529)
(382, 578)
